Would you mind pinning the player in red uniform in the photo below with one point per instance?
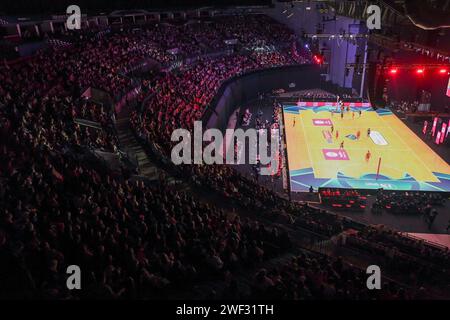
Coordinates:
(368, 155)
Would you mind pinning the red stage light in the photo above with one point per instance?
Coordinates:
(443, 71)
(393, 71)
(420, 71)
(318, 59)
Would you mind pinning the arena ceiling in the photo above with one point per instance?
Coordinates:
(95, 6)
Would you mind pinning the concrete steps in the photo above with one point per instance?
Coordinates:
(129, 144)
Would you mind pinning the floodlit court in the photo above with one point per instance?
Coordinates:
(326, 149)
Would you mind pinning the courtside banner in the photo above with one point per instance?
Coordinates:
(448, 88)
(425, 124)
(443, 132)
(438, 137)
(333, 104)
(433, 129)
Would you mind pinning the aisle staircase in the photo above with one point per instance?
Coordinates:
(129, 144)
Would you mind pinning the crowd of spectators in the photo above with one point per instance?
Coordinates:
(58, 207)
(312, 94)
(413, 203)
(405, 106)
(399, 252)
(132, 238)
(273, 58)
(307, 277)
(409, 245)
(157, 122)
(250, 30)
(48, 121)
(316, 94)
(179, 98)
(320, 94)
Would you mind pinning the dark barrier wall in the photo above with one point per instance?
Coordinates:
(28, 49)
(242, 89)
